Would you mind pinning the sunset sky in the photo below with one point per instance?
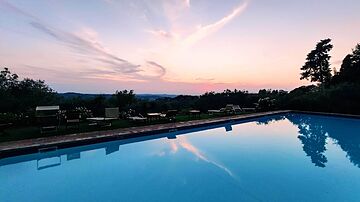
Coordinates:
(171, 46)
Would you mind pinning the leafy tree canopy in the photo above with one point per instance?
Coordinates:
(317, 66)
(20, 95)
(350, 68)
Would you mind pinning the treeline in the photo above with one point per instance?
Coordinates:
(126, 100)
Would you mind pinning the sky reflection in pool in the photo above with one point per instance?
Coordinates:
(279, 158)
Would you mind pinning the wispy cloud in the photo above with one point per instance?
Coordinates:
(88, 47)
(204, 31)
(160, 68)
(161, 33)
(14, 9)
(204, 79)
(183, 142)
(194, 150)
(201, 32)
(173, 146)
(92, 47)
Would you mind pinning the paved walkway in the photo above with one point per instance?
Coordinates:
(64, 141)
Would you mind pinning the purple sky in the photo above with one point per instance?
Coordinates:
(171, 46)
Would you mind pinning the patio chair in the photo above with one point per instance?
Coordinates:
(237, 109)
(170, 115)
(47, 118)
(72, 118)
(233, 109)
(249, 109)
(139, 118)
(111, 114)
(217, 111)
(194, 113)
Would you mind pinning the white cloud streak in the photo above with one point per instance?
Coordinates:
(201, 32)
(204, 31)
(93, 48)
(184, 143)
(161, 33)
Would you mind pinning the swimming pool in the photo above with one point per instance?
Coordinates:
(290, 157)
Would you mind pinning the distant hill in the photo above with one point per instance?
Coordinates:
(154, 96)
(70, 95)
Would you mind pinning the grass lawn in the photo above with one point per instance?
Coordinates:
(20, 133)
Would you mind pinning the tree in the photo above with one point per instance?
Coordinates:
(317, 66)
(97, 105)
(123, 99)
(31, 93)
(356, 54)
(21, 95)
(312, 135)
(350, 67)
(7, 80)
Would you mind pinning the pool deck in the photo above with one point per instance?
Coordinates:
(14, 148)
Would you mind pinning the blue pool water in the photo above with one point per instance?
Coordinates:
(288, 157)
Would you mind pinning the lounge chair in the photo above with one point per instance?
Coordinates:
(230, 108)
(194, 113)
(111, 114)
(139, 118)
(48, 118)
(237, 109)
(249, 109)
(216, 111)
(153, 116)
(169, 115)
(72, 118)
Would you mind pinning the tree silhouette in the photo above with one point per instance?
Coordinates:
(123, 99)
(314, 130)
(312, 135)
(313, 138)
(20, 95)
(350, 68)
(317, 66)
(8, 80)
(356, 53)
(345, 133)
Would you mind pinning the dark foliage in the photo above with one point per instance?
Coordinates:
(313, 132)
(350, 68)
(123, 99)
(19, 96)
(317, 66)
(212, 100)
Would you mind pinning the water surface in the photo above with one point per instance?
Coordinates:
(291, 157)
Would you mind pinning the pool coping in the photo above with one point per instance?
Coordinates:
(353, 116)
(28, 146)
